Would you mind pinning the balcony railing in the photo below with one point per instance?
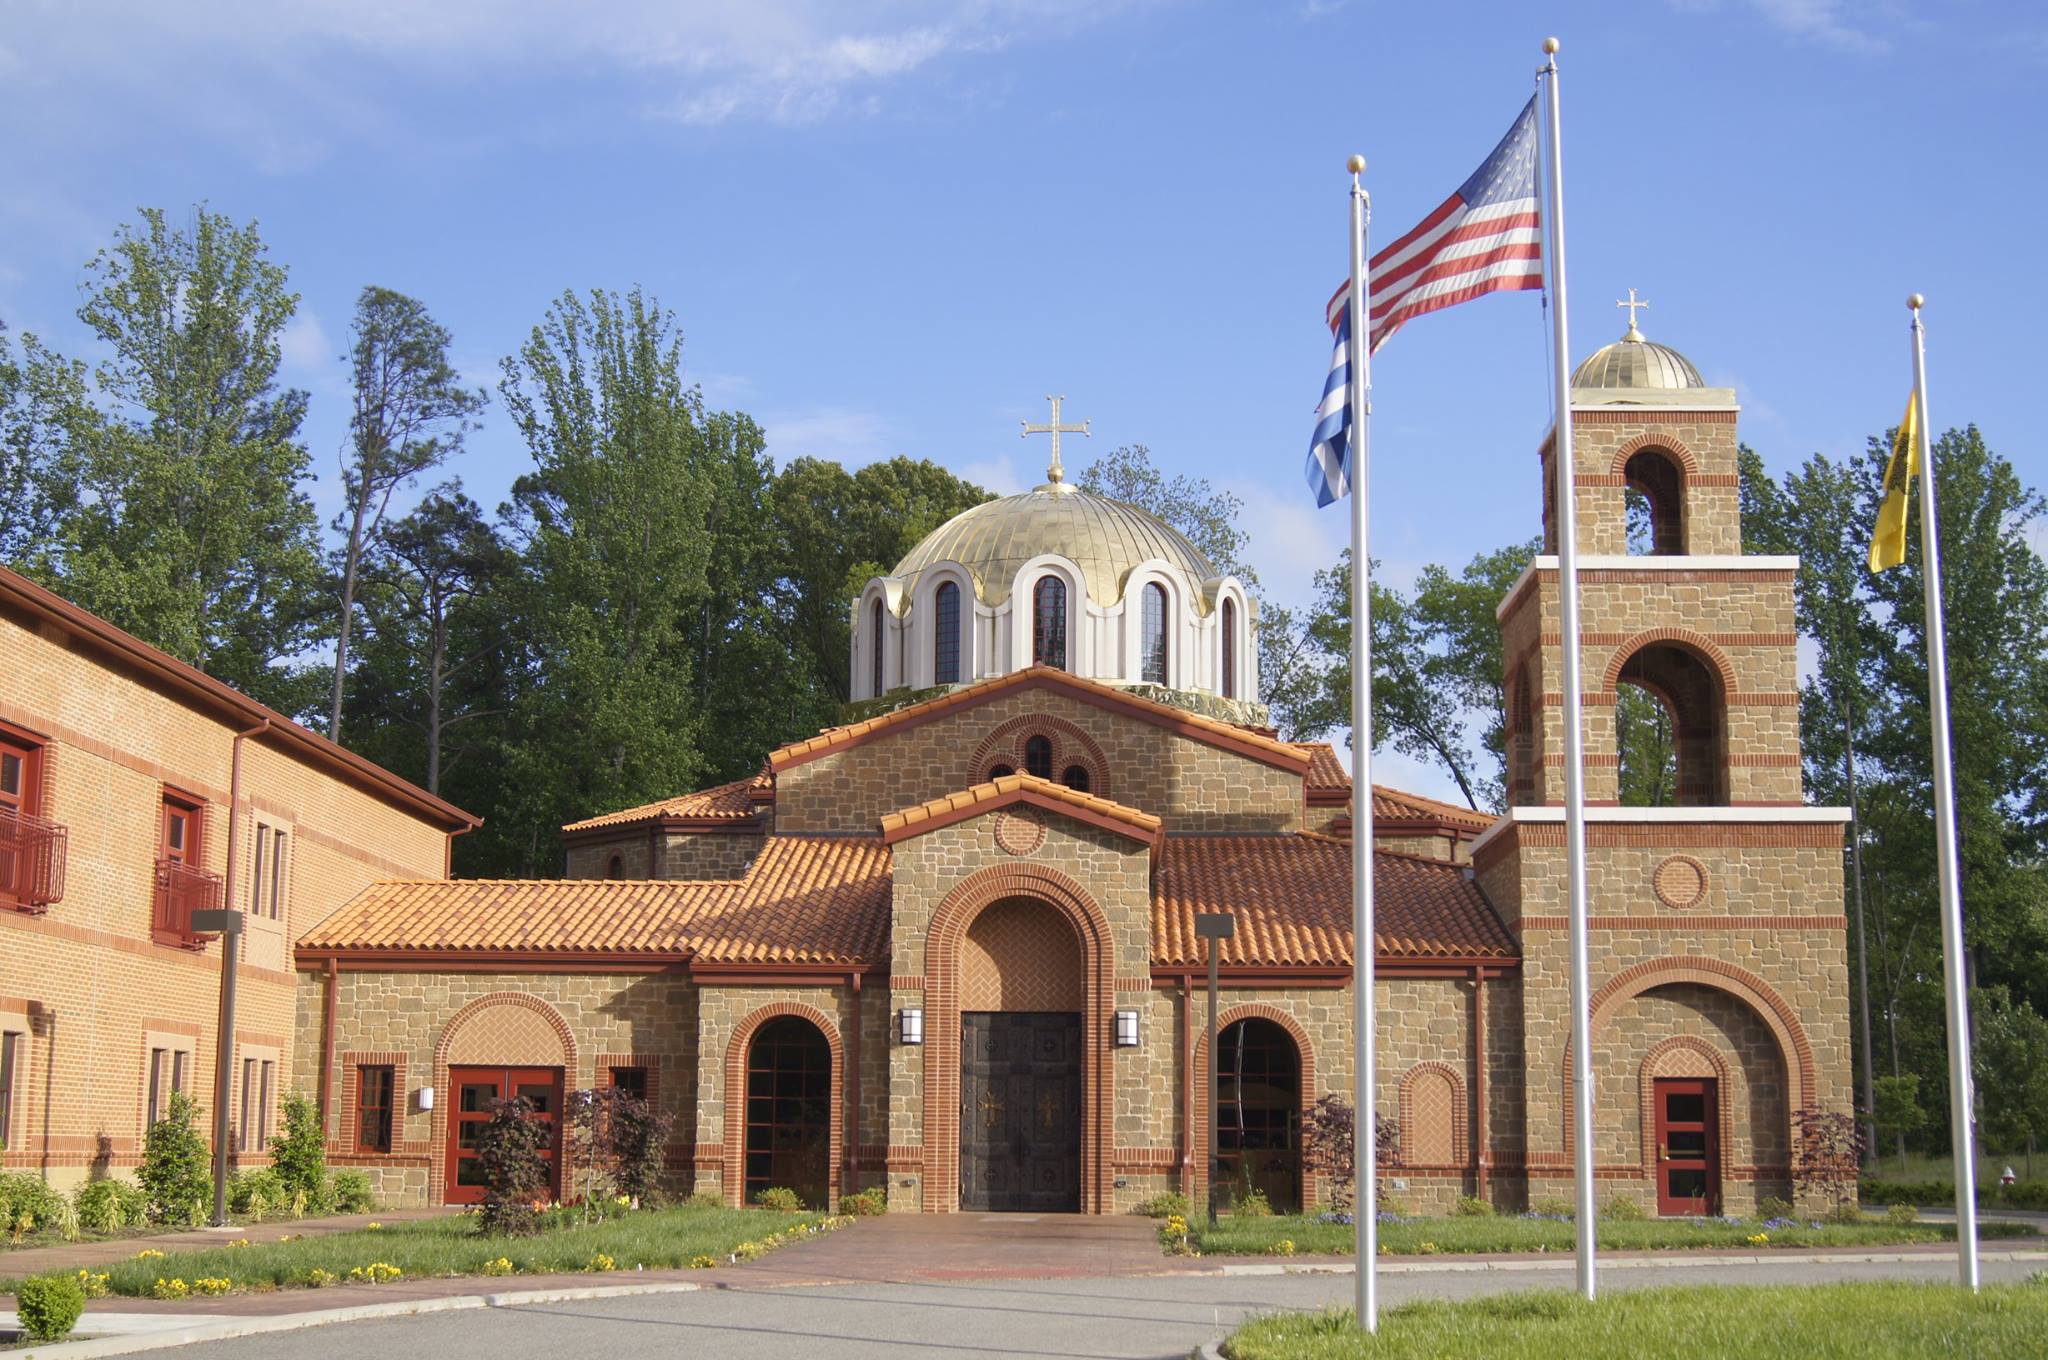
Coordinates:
(32, 853)
(180, 891)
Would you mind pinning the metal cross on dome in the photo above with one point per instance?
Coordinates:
(1633, 305)
(1054, 474)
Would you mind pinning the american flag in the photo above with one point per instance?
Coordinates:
(1483, 239)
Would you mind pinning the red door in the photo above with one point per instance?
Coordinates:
(471, 1091)
(1688, 1146)
(17, 799)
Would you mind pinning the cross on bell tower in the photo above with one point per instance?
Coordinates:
(1055, 474)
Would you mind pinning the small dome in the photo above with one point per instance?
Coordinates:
(1638, 363)
(1104, 537)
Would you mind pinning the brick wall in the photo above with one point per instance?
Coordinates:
(681, 855)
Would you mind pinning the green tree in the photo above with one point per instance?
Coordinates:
(1191, 506)
(2012, 1070)
(42, 404)
(410, 416)
(193, 529)
(1896, 1107)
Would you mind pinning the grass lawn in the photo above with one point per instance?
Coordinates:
(1813, 1322)
(1234, 1236)
(1917, 1166)
(655, 1238)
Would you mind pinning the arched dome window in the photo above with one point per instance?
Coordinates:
(1152, 641)
(1229, 686)
(1038, 757)
(1049, 622)
(1075, 777)
(875, 649)
(946, 641)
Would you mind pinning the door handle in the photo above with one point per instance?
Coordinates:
(1663, 1152)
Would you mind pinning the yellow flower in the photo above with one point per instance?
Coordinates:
(702, 1262)
(212, 1284)
(1428, 1248)
(602, 1262)
(1759, 1239)
(372, 1227)
(149, 1254)
(501, 1266)
(238, 1242)
(169, 1289)
(1285, 1246)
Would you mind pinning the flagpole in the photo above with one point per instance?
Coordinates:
(1365, 1149)
(1954, 986)
(1567, 522)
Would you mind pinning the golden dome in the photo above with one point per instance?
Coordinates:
(1105, 538)
(1633, 362)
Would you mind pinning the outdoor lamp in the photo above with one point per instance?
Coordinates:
(910, 1025)
(426, 1098)
(1126, 1029)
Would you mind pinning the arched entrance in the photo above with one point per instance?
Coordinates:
(1021, 1004)
(1258, 1113)
(789, 1111)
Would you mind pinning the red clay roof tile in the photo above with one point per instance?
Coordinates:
(1019, 788)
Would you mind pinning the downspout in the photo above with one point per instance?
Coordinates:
(327, 990)
(1479, 1122)
(850, 1183)
(1187, 1084)
(224, 1058)
(448, 849)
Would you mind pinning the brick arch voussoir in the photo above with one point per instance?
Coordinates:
(1461, 1129)
(736, 1046)
(1688, 464)
(438, 1124)
(943, 941)
(1794, 1048)
(1646, 1079)
(1071, 745)
(1699, 643)
(1304, 1049)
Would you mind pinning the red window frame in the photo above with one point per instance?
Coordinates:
(24, 753)
(376, 1085)
(180, 832)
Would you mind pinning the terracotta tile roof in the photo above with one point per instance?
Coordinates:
(1326, 773)
(735, 802)
(805, 900)
(1230, 736)
(1329, 784)
(1292, 899)
(1019, 788)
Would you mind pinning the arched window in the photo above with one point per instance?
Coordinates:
(789, 1110)
(946, 641)
(1654, 521)
(1152, 641)
(1049, 622)
(616, 868)
(1038, 757)
(1258, 1113)
(1075, 777)
(1001, 771)
(1229, 686)
(875, 649)
(1670, 730)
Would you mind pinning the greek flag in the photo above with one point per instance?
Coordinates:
(1329, 455)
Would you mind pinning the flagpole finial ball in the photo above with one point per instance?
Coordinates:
(1356, 165)
(1550, 46)
(1916, 302)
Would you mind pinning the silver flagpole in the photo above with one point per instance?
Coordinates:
(1567, 522)
(1954, 986)
(1365, 1143)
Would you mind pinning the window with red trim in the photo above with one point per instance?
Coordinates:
(32, 850)
(374, 1090)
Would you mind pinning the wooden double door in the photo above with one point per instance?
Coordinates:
(1688, 1146)
(1020, 1111)
(471, 1091)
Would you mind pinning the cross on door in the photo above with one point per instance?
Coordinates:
(1055, 474)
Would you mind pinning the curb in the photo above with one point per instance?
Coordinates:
(1667, 1261)
(220, 1328)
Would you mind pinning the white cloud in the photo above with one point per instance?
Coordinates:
(837, 433)
(1291, 540)
(306, 347)
(998, 474)
(1823, 21)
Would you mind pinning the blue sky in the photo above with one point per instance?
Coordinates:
(890, 227)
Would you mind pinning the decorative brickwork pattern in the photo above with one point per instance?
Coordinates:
(736, 1094)
(1433, 1117)
(1070, 746)
(1679, 882)
(1020, 955)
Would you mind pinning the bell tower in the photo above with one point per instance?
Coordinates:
(1718, 966)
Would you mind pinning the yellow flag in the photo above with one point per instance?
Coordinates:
(1888, 544)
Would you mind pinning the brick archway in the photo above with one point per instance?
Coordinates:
(1664, 1060)
(733, 1172)
(1696, 642)
(1794, 1049)
(476, 1012)
(1304, 1051)
(1681, 456)
(943, 941)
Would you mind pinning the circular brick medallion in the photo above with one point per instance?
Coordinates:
(1680, 882)
(1017, 834)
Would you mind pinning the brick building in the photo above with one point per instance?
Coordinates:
(134, 790)
(948, 946)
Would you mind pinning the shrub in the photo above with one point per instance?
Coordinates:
(1471, 1206)
(109, 1206)
(872, 1202)
(28, 1204)
(1770, 1206)
(298, 1155)
(1622, 1208)
(49, 1305)
(257, 1193)
(349, 1192)
(174, 1171)
(705, 1199)
(1164, 1205)
(1555, 1206)
(1252, 1204)
(1329, 1137)
(1901, 1214)
(1846, 1211)
(617, 1143)
(779, 1198)
(509, 1152)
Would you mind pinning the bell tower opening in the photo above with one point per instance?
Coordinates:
(1670, 730)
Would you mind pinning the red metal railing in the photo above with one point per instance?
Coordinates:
(180, 891)
(32, 853)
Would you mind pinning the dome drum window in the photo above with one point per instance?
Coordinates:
(1049, 622)
(946, 634)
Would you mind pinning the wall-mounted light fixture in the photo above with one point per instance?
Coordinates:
(425, 1097)
(910, 1025)
(1126, 1029)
